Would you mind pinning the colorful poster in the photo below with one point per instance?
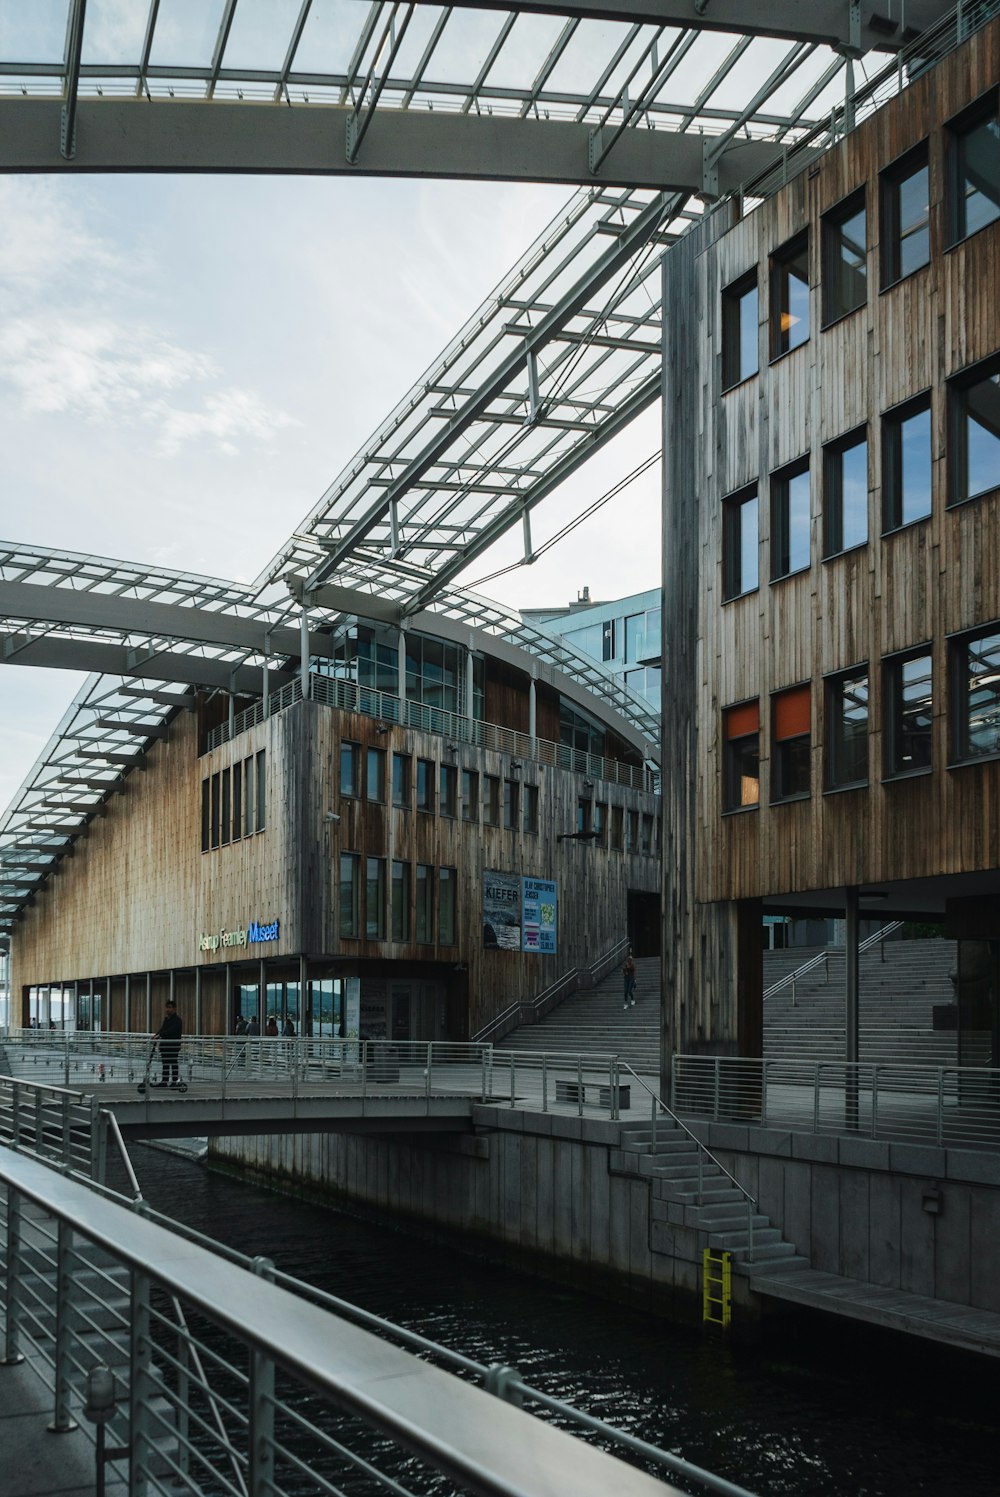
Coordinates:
(501, 911)
(539, 908)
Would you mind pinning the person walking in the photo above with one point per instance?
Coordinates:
(628, 974)
(169, 1038)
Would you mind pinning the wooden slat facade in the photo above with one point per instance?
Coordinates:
(913, 587)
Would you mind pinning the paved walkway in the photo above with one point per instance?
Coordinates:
(34, 1462)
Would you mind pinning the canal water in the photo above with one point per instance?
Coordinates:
(820, 1407)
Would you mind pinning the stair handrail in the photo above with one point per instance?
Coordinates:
(571, 978)
(704, 1152)
(824, 957)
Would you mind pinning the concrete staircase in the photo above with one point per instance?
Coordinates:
(592, 1022)
(901, 981)
(717, 1213)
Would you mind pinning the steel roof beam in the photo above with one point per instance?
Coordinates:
(95, 655)
(173, 135)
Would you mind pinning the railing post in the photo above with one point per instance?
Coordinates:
(511, 1053)
(482, 1074)
(749, 1230)
(260, 1425)
(613, 1077)
(15, 1115)
(940, 1105)
(62, 1422)
(579, 1085)
(66, 1058)
(11, 1319)
(816, 1069)
(545, 1084)
(428, 1070)
(715, 1094)
(653, 1121)
(364, 1070)
(874, 1101)
(763, 1094)
(142, 1387)
(98, 1145)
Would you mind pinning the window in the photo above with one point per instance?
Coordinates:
(845, 493)
(425, 785)
(847, 729)
(216, 808)
(400, 901)
(974, 432)
(740, 544)
(491, 800)
(906, 464)
(741, 769)
(617, 828)
(470, 795)
(249, 786)
(227, 809)
(350, 768)
(237, 800)
(632, 831)
(739, 331)
(375, 776)
(646, 682)
(511, 798)
(790, 296)
(448, 791)
(583, 815)
(206, 814)
(401, 780)
(447, 885)
(790, 503)
(601, 823)
(349, 879)
(845, 262)
(906, 216)
(425, 904)
(975, 693)
(261, 790)
(790, 733)
(974, 169)
(530, 806)
(908, 714)
(647, 834)
(375, 899)
(608, 639)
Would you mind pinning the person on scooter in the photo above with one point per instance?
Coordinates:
(169, 1037)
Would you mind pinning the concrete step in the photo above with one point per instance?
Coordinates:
(761, 1267)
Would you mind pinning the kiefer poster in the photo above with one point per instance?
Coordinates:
(501, 911)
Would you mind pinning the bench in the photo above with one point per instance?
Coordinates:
(570, 1091)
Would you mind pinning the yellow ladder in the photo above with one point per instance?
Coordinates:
(716, 1293)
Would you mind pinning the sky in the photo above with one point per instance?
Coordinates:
(187, 362)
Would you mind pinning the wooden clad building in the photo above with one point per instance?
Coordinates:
(263, 865)
(832, 551)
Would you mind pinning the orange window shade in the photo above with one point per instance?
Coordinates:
(743, 720)
(791, 713)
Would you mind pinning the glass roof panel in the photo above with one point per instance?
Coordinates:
(525, 50)
(33, 33)
(330, 36)
(186, 33)
(414, 43)
(260, 34)
(749, 73)
(114, 33)
(593, 43)
(464, 46)
(701, 63)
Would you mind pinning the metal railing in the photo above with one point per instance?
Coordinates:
(946, 1105)
(703, 1152)
(242, 1067)
(823, 960)
(50, 1122)
(382, 705)
(229, 1377)
(529, 1012)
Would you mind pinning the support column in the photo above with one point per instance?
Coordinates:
(304, 652)
(262, 993)
(302, 996)
(469, 692)
(197, 1001)
(401, 674)
(851, 1004)
(532, 710)
(76, 1003)
(265, 688)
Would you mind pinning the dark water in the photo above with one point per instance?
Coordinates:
(821, 1408)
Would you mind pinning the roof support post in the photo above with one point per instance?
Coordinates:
(529, 554)
(74, 49)
(304, 651)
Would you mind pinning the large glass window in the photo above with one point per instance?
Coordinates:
(401, 770)
(906, 463)
(791, 725)
(350, 768)
(845, 258)
(448, 791)
(491, 800)
(425, 904)
(847, 729)
(790, 296)
(227, 809)
(530, 799)
(249, 789)
(447, 885)
(974, 418)
(975, 662)
(740, 543)
(350, 863)
(646, 682)
(741, 750)
(237, 800)
(908, 713)
(906, 216)
(470, 795)
(511, 801)
(375, 899)
(216, 808)
(425, 785)
(400, 901)
(845, 493)
(206, 815)
(974, 169)
(608, 633)
(261, 789)
(739, 331)
(790, 504)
